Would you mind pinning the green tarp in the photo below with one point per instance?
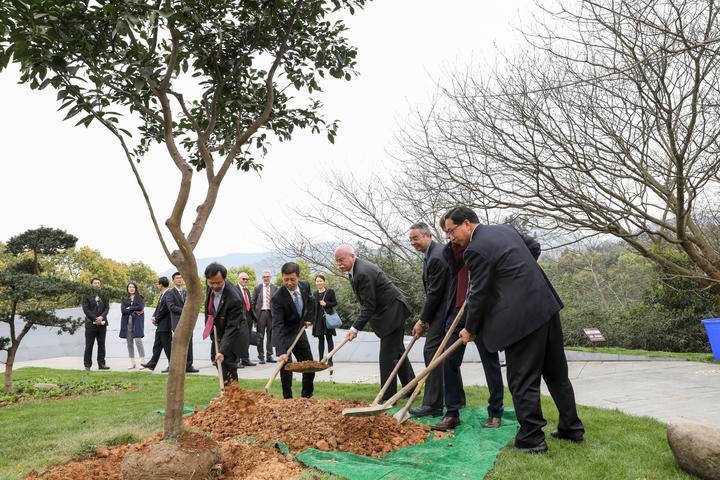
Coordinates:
(470, 454)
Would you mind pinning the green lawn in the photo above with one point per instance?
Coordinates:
(693, 357)
(38, 433)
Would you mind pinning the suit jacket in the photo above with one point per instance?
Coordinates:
(257, 299)
(249, 314)
(510, 296)
(286, 321)
(229, 316)
(131, 308)
(175, 304)
(93, 309)
(162, 314)
(436, 280)
(376, 295)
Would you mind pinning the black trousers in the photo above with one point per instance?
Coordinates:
(454, 393)
(163, 342)
(433, 396)
(321, 346)
(539, 354)
(301, 351)
(391, 349)
(264, 331)
(94, 333)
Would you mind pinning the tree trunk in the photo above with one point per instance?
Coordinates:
(175, 394)
(9, 366)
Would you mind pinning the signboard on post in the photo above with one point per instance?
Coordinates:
(594, 335)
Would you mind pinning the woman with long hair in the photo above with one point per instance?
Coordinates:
(132, 324)
(325, 301)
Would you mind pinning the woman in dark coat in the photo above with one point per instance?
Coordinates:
(325, 301)
(132, 324)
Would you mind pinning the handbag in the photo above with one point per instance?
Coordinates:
(332, 320)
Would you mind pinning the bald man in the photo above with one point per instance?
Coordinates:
(384, 307)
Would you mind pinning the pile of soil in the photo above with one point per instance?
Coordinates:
(304, 423)
(243, 414)
(310, 365)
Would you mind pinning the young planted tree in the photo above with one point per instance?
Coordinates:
(213, 81)
(29, 296)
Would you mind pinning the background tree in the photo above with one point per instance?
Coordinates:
(29, 294)
(212, 81)
(606, 123)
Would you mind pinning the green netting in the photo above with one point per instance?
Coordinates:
(470, 454)
(186, 410)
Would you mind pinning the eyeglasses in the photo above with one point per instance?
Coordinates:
(415, 238)
(244, 279)
(450, 232)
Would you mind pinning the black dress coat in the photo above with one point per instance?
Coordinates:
(319, 327)
(286, 322)
(94, 309)
(510, 296)
(436, 280)
(175, 303)
(228, 320)
(377, 296)
(162, 314)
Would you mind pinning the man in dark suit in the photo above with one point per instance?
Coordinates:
(262, 306)
(163, 330)
(292, 307)
(225, 313)
(243, 279)
(436, 275)
(384, 307)
(513, 307)
(454, 392)
(175, 301)
(96, 307)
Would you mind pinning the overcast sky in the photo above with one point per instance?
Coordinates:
(77, 179)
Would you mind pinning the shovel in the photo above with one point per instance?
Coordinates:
(378, 409)
(281, 364)
(217, 364)
(324, 360)
(402, 414)
(391, 378)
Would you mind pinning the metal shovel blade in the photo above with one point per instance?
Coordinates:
(401, 416)
(365, 411)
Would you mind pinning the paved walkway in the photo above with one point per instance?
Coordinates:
(665, 390)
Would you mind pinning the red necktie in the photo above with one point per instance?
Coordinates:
(247, 300)
(211, 316)
(267, 295)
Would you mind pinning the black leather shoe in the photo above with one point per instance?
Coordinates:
(574, 439)
(240, 365)
(447, 423)
(248, 363)
(271, 360)
(104, 367)
(167, 370)
(426, 411)
(147, 366)
(540, 448)
(261, 361)
(192, 370)
(493, 422)
(87, 369)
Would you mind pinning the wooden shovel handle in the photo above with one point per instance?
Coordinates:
(391, 378)
(281, 363)
(334, 351)
(439, 350)
(424, 373)
(219, 367)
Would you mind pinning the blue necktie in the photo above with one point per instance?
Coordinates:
(298, 303)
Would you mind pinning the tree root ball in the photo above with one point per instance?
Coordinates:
(191, 457)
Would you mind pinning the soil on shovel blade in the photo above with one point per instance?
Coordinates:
(311, 365)
(241, 421)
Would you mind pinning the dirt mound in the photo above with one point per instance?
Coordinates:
(308, 365)
(256, 462)
(304, 423)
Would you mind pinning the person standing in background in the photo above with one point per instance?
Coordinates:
(96, 308)
(163, 332)
(175, 301)
(262, 305)
(132, 323)
(325, 301)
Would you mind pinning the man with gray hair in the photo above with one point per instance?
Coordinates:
(262, 305)
(384, 307)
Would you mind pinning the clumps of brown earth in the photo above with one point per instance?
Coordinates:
(304, 423)
(306, 365)
(239, 414)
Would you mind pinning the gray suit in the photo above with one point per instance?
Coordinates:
(264, 321)
(386, 309)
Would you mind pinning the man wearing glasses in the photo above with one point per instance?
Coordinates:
(262, 306)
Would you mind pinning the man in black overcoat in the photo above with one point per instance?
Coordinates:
(513, 307)
(163, 331)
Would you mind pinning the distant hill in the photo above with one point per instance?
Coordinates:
(271, 261)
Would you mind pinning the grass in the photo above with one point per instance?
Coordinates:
(690, 356)
(39, 433)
